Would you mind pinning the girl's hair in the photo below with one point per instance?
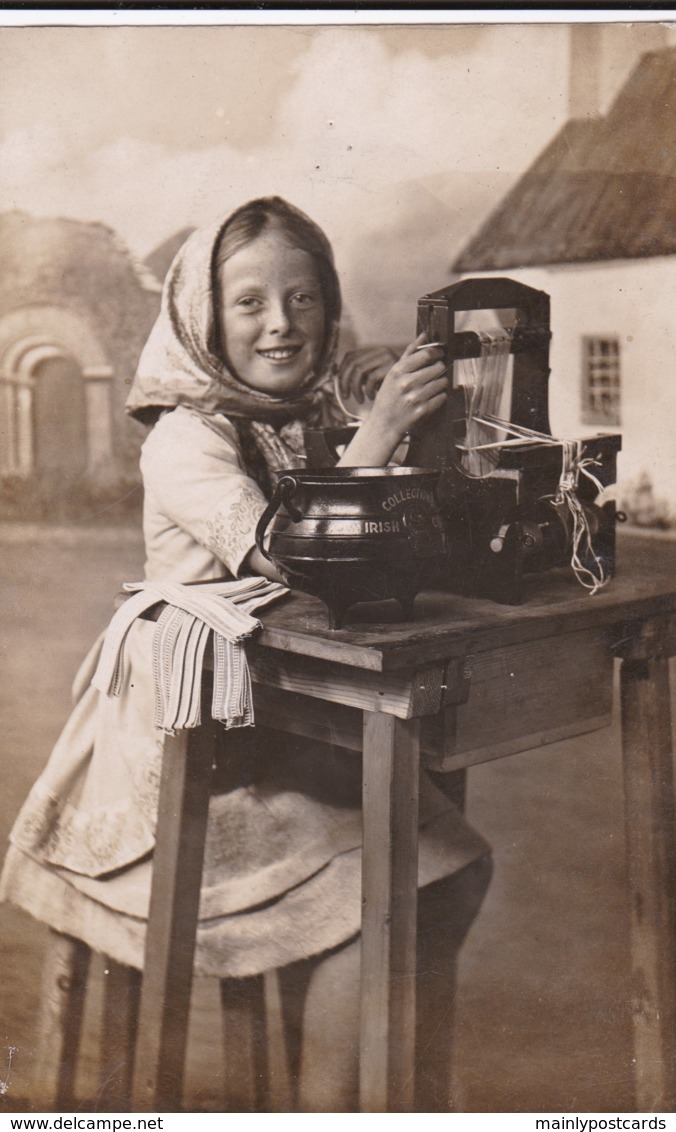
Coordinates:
(274, 214)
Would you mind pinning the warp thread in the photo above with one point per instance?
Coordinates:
(484, 383)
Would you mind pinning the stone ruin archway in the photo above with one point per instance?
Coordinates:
(56, 385)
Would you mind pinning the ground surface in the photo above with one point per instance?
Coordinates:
(543, 1021)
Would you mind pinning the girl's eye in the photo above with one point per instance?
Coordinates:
(249, 302)
(303, 299)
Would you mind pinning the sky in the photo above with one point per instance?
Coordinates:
(398, 140)
(151, 128)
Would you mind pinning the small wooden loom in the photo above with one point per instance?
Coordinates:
(516, 500)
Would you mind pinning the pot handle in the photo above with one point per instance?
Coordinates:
(285, 489)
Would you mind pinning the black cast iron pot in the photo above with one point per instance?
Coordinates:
(349, 535)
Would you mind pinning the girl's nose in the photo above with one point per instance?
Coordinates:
(278, 318)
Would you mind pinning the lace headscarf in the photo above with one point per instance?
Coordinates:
(182, 362)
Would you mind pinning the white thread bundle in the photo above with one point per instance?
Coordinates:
(594, 575)
(191, 614)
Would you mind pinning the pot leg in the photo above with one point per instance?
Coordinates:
(406, 601)
(337, 611)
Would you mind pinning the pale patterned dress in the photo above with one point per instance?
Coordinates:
(283, 857)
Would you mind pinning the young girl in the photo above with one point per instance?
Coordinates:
(240, 358)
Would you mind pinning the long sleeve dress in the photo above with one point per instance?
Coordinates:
(282, 867)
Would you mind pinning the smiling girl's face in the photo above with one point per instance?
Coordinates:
(272, 316)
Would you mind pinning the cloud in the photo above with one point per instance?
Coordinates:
(358, 115)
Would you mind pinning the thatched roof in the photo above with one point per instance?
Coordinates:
(603, 189)
(160, 260)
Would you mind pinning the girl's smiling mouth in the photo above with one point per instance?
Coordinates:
(280, 353)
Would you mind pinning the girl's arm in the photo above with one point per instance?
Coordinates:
(414, 388)
(255, 564)
(198, 489)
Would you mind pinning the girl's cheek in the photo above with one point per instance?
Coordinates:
(248, 328)
(314, 325)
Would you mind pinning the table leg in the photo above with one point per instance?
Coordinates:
(389, 908)
(172, 923)
(121, 997)
(64, 985)
(649, 815)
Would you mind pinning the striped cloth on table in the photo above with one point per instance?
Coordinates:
(191, 615)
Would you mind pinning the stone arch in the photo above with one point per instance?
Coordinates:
(50, 360)
(50, 322)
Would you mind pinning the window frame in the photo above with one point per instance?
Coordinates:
(601, 358)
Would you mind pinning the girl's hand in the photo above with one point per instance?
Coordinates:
(413, 388)
(363, 371)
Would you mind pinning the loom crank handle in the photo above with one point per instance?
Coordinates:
(527, 538)
(498, 541)
(285, 489)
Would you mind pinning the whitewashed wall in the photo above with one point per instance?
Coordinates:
(634, 300)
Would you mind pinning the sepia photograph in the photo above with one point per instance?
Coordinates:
(338, 562)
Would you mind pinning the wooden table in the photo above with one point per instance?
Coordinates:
(468, 681)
